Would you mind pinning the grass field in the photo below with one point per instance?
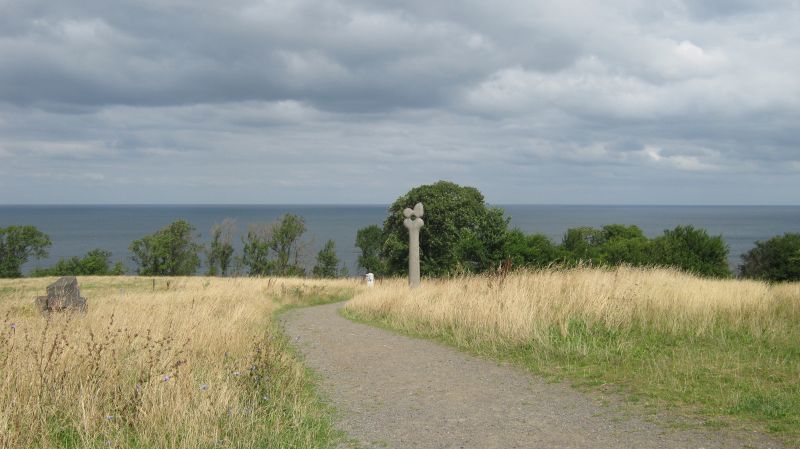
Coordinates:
(726, 350)
(182, 363)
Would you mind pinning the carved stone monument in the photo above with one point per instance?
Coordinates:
(62, 295)
(414, 225)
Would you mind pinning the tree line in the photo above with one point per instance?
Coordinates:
(273, 249)
(462, 234)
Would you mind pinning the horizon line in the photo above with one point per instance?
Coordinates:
(386, 204)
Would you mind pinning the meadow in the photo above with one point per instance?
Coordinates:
(727, 351)
(173, 363)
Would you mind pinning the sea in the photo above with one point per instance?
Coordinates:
(76, 229)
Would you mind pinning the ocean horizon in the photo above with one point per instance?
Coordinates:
(77, 228)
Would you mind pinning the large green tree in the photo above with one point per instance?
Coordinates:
(171, 251)
(777, 259)
(96, 262)
(17, 245)
(461, 231)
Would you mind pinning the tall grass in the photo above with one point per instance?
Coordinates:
(721, 347)
(179, 363)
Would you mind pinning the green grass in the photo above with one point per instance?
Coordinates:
(727, 379)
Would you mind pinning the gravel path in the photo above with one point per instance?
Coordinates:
(398, 392)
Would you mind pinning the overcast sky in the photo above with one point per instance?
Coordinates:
(340, 101)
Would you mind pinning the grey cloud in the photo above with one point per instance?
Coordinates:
(350, 101)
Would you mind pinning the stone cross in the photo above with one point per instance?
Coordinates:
(413, 225)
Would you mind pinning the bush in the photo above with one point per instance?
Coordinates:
(96, 262)
(535, 250)
(624, 245)
(613, 244)
(777, 259)
(582, 244)
(692, 250)
(171, 251)
(17, 245)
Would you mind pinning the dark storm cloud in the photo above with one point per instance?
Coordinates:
(349, 101)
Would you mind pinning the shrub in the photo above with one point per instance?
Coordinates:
(171, 251)
(96, 262)
(535, 250)
(613, 244)
(692, 250)
(777, 259)
(624, 245)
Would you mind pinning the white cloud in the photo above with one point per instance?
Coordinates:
(679, 161)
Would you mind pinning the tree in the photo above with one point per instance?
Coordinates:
(17, 245)
(220, 254)
(582, 243)
(623, 245)
(255, 254)
(275, 249)
(171, 251)
(613, 244)
(287, 246)
(370, 241)
(691, 250)
(535, 250)
(327, 262)
(460, 231)
(96, 262)
(777, 259)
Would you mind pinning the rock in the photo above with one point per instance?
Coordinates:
(62, 295)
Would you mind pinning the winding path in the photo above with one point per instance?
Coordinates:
(398, 392)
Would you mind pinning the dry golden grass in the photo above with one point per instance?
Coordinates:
(725, 347)
(524, 306)
(193, 363)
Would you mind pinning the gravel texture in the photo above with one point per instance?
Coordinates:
(393, 391)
